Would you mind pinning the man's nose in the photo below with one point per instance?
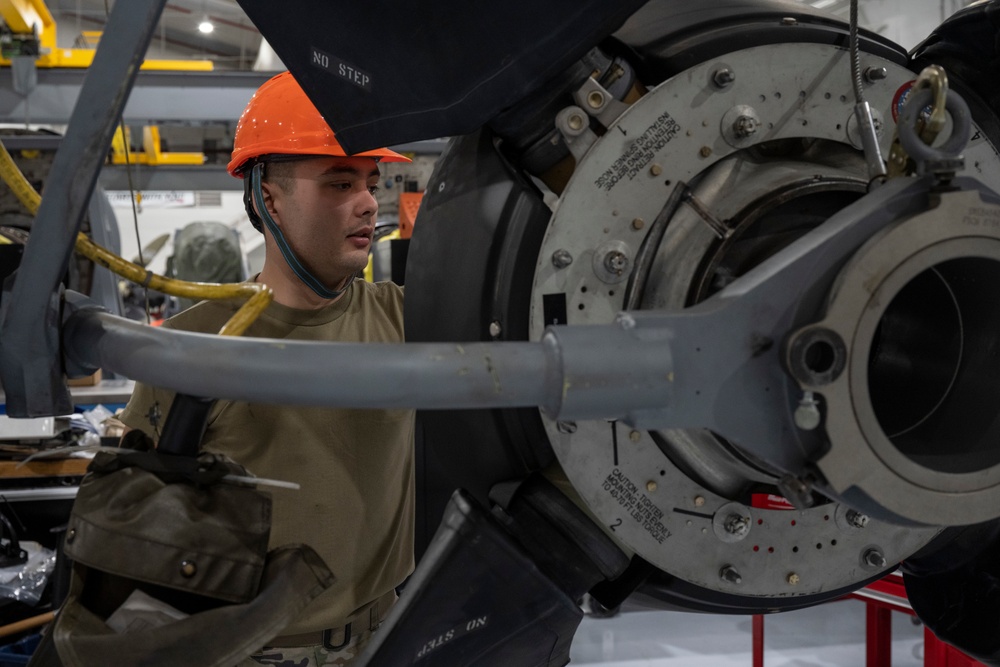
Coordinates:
(367, 203)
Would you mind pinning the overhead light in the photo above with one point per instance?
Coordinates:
(206, 27)
(820, 4)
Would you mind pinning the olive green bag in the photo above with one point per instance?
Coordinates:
(149, 530)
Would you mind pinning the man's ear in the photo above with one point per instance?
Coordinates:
(268, 190)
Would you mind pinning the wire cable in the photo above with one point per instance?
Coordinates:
(258, 295)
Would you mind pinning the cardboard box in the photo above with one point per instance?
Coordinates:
(89, 381)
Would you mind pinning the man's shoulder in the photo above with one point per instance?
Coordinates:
(386, 292)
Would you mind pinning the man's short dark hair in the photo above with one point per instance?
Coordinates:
(281, 173)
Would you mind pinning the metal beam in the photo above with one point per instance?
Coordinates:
(157, 97)
(29, 340)
(202, 178)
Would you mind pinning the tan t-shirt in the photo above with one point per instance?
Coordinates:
(355, 467)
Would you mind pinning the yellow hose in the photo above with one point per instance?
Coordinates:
(258, 295)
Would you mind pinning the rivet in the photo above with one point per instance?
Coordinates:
(635, 436)
(495, 328)
(656, 170)
(723, 77)
(651, 486)
(793, 579)
(698, 501)
(705, 151)
(873, 74)
(595, 99)
(857, 519)
(638, 223)
(70, 535)
(874, 558)
(188, 568)
(561, 258)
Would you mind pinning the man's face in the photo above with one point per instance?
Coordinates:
(326, 210)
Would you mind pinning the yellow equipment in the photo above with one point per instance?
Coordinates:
(31, 31)
(150, 153)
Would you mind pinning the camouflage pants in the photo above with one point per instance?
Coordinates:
(357, 633)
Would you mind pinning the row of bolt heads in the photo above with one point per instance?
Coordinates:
(738, 525)
(872, 558)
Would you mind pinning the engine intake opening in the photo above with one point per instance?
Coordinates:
(933, 367)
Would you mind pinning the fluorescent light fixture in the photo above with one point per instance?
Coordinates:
(206, 27)
(820, 4)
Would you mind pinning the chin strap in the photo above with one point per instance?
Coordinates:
(311, 281)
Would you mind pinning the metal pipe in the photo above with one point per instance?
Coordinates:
(414, 375)
(608, 371)
(29, 341)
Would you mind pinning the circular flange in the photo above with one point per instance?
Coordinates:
(614, 184)
(920, 445)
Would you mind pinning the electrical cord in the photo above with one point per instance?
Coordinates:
(258, 295)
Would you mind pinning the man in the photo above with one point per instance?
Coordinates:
(316, 208)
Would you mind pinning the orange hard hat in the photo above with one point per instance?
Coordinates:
(281, 120)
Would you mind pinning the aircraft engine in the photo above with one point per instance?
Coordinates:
(684, 151)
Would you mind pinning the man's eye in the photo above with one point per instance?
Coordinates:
(373, 189)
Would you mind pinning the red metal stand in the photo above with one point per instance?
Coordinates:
(881, 598)
(758, 640)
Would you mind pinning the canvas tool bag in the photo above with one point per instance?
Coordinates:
(172, 528)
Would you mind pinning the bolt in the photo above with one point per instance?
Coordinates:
(737, 525)
(595, 99)
(561, 258)
(793, 579)
(807, 415)
(698, 501)
(745, 126)
(788, 20)
(705, 151)
(723, 77)
(566, 427)
(495, 328)
(651, 486)
(188, 568)
(656, 170)
(857, 519)
(873, 74)
(70, 535)
(729, 573)
(635, 436)
(797, 491)
(616, 262)
(874, 558)
(638, 223)
(625, 321)
(575, 122)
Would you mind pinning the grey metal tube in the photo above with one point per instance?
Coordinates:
(412, 375)
(29, 345)
(610, 371)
